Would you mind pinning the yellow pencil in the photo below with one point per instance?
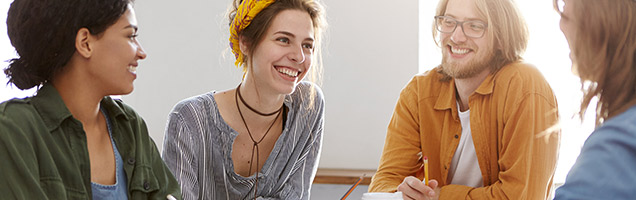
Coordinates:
(353, 187)
(426, 170)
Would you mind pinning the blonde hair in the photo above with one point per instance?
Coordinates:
(507, 29)
(604, 54)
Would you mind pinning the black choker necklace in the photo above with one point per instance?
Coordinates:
(252, 109)
(255, 143)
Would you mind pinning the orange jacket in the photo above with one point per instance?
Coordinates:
(509, 113)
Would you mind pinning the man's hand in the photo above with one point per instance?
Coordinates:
(413, 188)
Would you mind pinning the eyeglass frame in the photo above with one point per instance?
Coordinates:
(459, 23)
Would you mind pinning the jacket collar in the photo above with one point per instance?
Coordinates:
(447, 96)
(51, 107)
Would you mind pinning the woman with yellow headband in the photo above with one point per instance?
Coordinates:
(262, 139)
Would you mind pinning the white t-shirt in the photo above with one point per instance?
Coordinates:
(464, 169)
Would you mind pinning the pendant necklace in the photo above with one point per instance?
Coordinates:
(255, 143)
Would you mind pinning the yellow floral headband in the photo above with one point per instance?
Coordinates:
(244, 15)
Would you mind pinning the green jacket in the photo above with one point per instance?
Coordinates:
(43, 152)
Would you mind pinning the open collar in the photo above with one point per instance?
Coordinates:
(53, 110)
(447, 97)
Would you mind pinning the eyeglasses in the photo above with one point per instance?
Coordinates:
(558, 6)
(473, 28)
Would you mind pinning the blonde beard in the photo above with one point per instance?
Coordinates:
(469, 70)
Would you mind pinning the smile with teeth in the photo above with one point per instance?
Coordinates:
(460, 51)
(288, 72)
(132, 69)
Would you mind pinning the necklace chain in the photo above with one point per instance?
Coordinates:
(250, 107)
(255, 143)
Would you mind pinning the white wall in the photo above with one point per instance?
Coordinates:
(369, 55)
(185, 42)
(372, 54)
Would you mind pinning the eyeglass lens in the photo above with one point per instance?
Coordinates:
(473, 29)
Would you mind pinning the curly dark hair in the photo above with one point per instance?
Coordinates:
(43, 33)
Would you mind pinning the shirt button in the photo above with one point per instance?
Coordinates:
(131, 161)
(456, 136)
(445, 167)
(146, 185)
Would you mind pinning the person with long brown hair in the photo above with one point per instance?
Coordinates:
(481, 117)
(602, 40)
(262, 139)
(72, 140)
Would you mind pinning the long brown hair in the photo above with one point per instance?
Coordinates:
(604, 54)
(255, 32)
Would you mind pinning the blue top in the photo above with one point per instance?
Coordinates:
(606, 167)
(118, 191)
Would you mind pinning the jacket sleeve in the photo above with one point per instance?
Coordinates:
(19, 178)
(179, 153)
(402, 144)
(150, 178)
(169, 185)
(527, 151)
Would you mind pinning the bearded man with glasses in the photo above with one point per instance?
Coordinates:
(482, 117)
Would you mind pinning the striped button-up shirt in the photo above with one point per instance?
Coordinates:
(198, 150)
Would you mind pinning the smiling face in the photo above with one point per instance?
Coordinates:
(113, 66)
(465, 57)
(284, 55)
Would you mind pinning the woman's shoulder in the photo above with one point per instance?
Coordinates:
(196, 112)
(18, 113)
(22, 126)
(308, 94)
(195, 103)
(306, 89)
(16, 107)
(620, 127)
(615, 135)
